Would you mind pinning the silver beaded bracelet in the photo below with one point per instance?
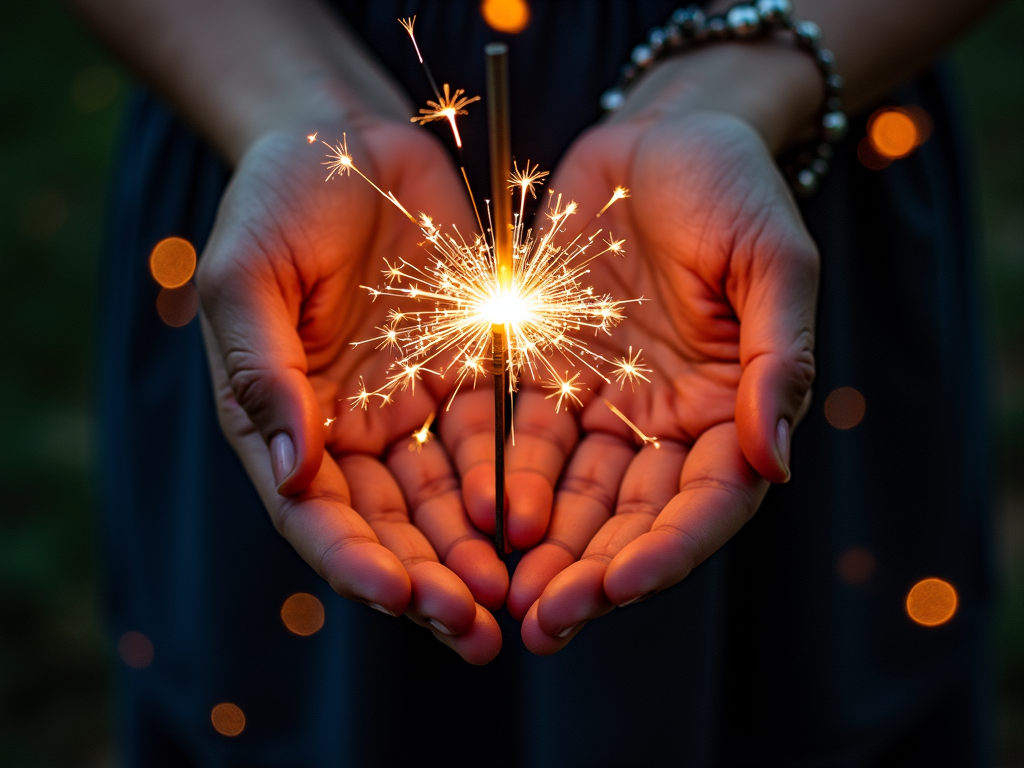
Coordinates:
(688, 28)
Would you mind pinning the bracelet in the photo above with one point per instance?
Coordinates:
(688, 28)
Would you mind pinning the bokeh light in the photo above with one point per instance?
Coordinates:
(931, 602)
(892, 133)
(844, 408)
(303, 614)
(177, 306)
(135, 650)
(510, 16)
(855, 566)
(228, 719)
(869, 157)
(172, 262)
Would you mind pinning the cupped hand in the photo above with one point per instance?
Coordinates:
(716, 246)
(281, 306)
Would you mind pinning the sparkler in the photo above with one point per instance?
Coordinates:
(504, 304)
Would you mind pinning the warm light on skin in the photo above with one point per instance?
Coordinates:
(932, 602)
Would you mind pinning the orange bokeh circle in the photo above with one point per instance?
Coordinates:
(228, 719)
(177, 306)
(893, 134)
(172, 262)
(931, 602)
(510, 16)
(845, 408)
(303, 614)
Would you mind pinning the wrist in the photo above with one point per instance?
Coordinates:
(773, 87)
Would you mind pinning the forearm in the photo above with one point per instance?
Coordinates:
(777, 88)
(238, 69)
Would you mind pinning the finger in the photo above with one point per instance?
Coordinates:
(586, 498)
(480, 643)
(718, 493)
(249, 317)
(435, 502)
(543, 441)
(776, 311)
(467, 429)
(438, 597)
(577, 594)
(540, 642)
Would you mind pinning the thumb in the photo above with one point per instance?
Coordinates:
(777, 354)
(251, 313)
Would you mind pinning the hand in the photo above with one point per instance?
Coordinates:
(716, 243)
(281, 304)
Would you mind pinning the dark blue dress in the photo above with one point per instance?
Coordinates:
(762, 657)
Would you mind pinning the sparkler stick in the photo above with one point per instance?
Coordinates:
(501, 236)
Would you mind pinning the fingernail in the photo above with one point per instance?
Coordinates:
(282, 456)
(782, 446)
(381, 608)
(568, 630)
(637, 599)
(440, 627)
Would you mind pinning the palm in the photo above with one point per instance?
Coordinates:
(282, 308)
(716, 247)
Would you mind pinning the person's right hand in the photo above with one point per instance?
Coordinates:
(281, 304)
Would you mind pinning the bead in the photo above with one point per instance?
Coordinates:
(656, 40)
(834, 83)
(642, 55)
(805, 183)
(826, 60)
(673, 35)
(612, 99)
(808, 34)
(825, 151)
(716, 27)
(774, 11)
(819, 166)
(833, 104)
(744, 20)
(833, 126)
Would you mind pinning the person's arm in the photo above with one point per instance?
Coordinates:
(280, 302)
(715, 242)
(239, 69)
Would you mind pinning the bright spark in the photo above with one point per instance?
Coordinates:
(408, 24)
(645, 438)
(422, 435)
(563, 389)
(311, 138)
(526, 179)
(618, 194)
(630, 368)
(330, 421)
(461, 300)
(447, 107)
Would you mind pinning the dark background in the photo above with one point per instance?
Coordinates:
(61, 97)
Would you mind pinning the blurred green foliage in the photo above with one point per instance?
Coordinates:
(60, 96)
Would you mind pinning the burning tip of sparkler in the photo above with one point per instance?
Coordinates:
(311, 138)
